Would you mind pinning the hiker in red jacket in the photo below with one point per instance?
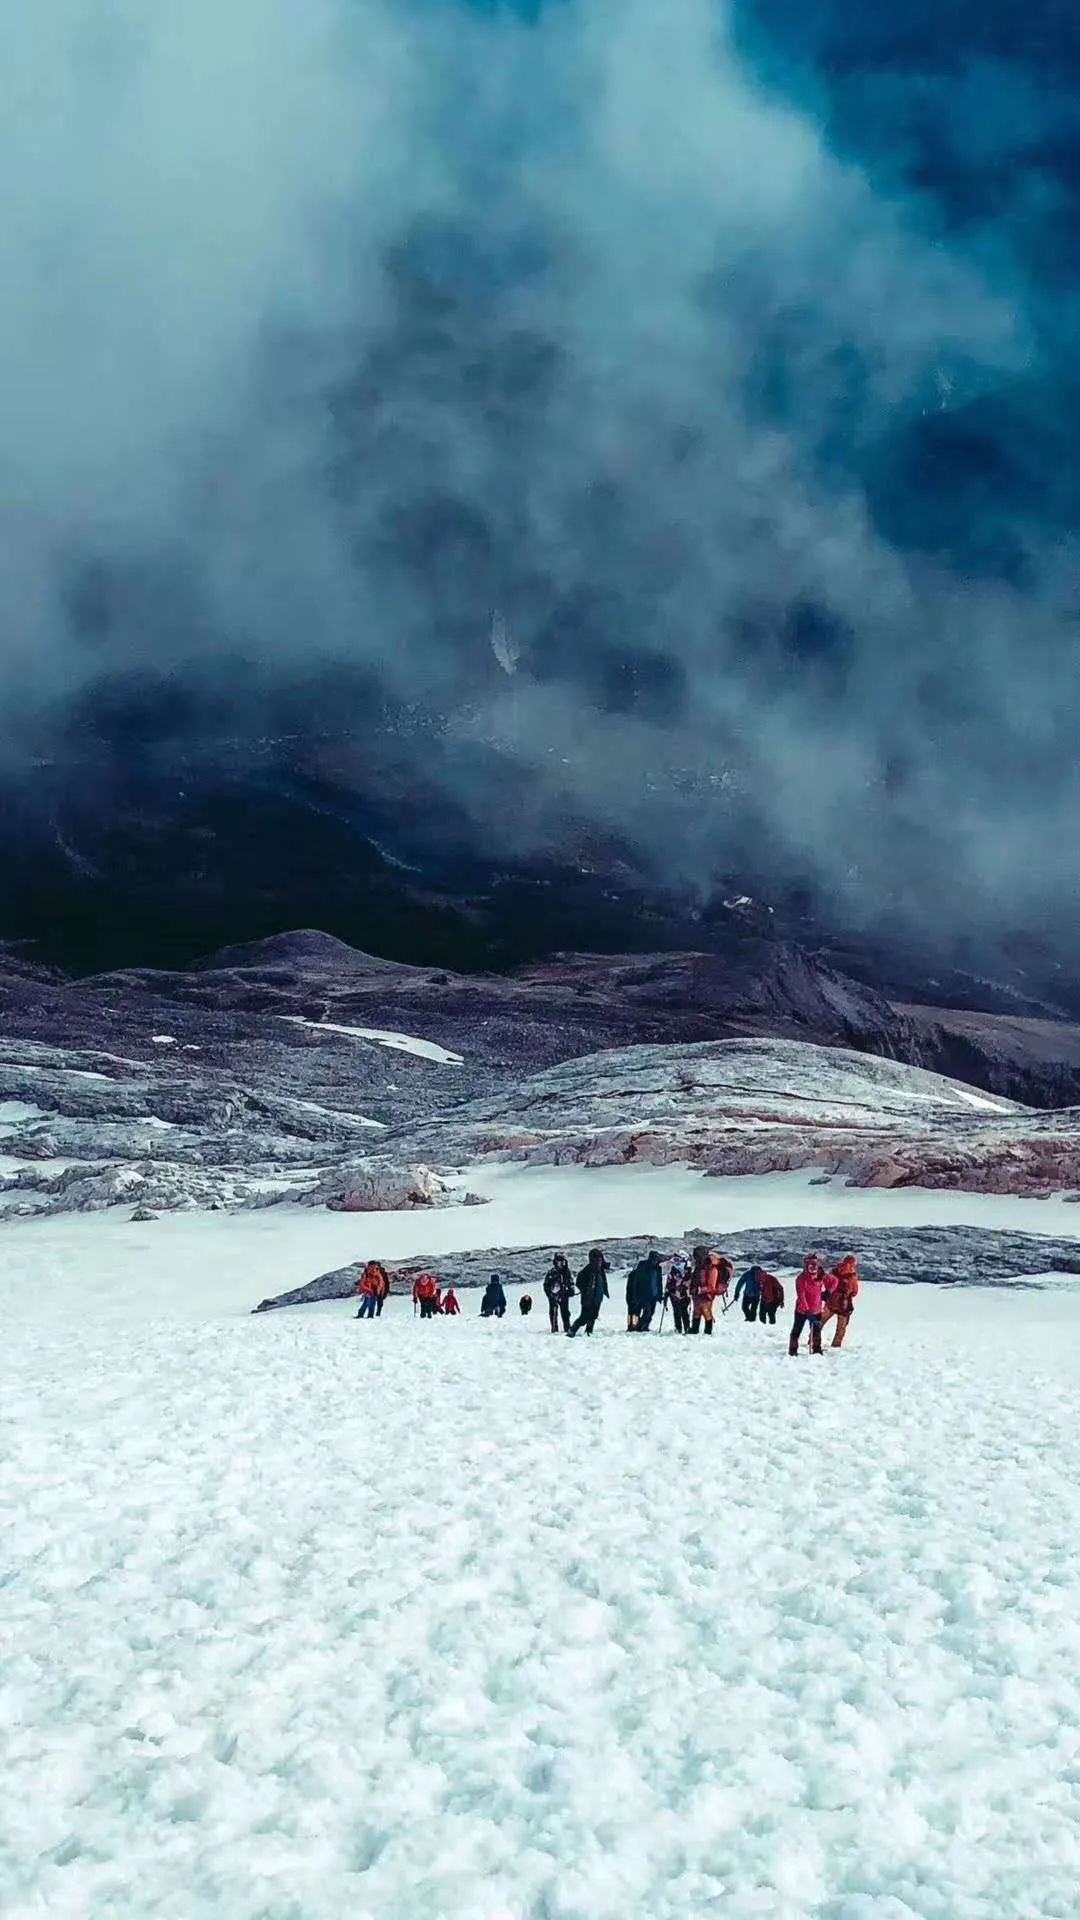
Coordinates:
(808, 1291)
(450, 1303)
(426, 1295)
(841, 1287)
(770, 1297)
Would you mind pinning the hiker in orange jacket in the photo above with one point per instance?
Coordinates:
(841, 1287)
(708, 1283)
(373, 1287)
(426, 1295)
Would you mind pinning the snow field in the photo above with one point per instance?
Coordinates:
(303, 1618)
(190, 1265)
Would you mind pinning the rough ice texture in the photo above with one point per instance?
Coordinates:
(760, 1106)
(319, 1619)
(86, 1130)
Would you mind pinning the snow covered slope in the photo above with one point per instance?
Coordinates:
(308, 1618)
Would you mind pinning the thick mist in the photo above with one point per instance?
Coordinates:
(544, 368)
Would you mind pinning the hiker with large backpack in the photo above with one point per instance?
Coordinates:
(808, 1293)
(841, 1287)
(592, 1289)
(770, 1296)
(644, 1292)
(559, 1291)
(708, 1283)
(678, 1293)
(426, 1295)
(493, 1304)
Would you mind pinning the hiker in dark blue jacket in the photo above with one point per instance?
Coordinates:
(750, 1288)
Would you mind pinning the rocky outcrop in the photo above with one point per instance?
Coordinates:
(382, 1186)
(762, 1106)
(935, 1256)
(85, 1129)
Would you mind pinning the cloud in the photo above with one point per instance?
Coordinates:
(334, 332)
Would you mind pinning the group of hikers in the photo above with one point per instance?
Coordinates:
(696, 1287)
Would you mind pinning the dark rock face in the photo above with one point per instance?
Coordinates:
(504, 1024)
(535, 1017)
(1024, 1058)
(934, 1256)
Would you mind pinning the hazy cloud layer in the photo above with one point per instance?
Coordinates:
(334, 329)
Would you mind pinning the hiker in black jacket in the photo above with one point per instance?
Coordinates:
(493, 1304)
(592, 1286)
(644, 1292)
(679, 1293)
(559, 1291)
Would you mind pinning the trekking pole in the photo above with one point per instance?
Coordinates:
(663, 1310)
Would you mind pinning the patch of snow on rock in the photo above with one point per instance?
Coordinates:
(397, 1042)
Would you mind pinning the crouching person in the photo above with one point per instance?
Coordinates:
(493, 1304)
(808, 1292)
